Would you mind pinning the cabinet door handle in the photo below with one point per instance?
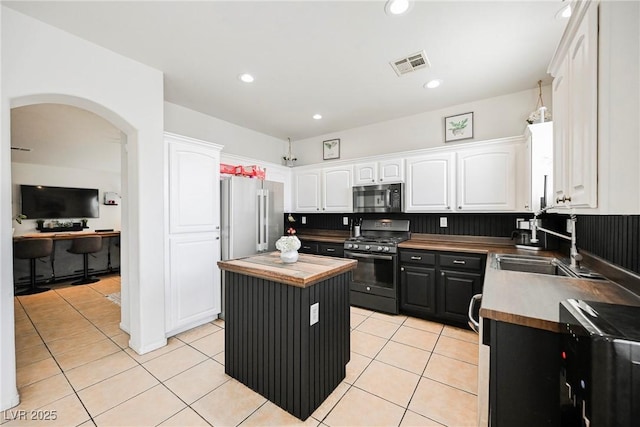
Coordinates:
(459, 261)
(442, 274)
(563, 199)
(416, 258)
(401, 268)
(330, 250)
(459, 207)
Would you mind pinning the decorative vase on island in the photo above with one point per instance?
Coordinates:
(288, 247)
(289, 257)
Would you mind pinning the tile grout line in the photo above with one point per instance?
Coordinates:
(59, 367)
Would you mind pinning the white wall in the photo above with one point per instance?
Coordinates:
(493, 118)
(43, 64)
(33, 174)
(237, 140)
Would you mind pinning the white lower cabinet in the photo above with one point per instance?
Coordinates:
(429, 185)
(192, 277)
(486, 179)
(194, 281)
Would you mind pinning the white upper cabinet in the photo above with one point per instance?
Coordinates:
(307, 187)
(391, 171)
(575, 109)
(381, 172)
(194, 188)
(337, 193)
(324, 189)
(366, 173)
(486, 179)
(429, 184)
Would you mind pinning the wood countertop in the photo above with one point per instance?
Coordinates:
(66, 235)
(307, 271)
(469, 244)
(329, 236)
(531, 299)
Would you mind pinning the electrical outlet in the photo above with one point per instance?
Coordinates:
(345, 220)
(314, 314)
(568, 226)
(303, 220)
(443, 222)
(518, 221)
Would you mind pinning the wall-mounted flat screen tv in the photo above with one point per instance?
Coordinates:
(43, 202)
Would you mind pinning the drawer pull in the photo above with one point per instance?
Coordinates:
(459, 261)
(417, 258)
(330, 250)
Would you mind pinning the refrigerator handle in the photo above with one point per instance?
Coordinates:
(261, 221)
(265, 224)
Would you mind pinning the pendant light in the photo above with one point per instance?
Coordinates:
(289, 159)
(540, 114)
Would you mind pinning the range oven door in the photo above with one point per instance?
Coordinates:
(375, 273)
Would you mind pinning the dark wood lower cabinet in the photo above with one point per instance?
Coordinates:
(455, 289)
(418, 296)
(524, 380)
(439, 285)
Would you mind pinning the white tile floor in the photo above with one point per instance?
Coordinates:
(73, 361)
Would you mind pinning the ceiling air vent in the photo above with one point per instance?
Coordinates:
(21, 148)
(410, 63)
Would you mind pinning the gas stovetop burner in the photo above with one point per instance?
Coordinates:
(379, 236)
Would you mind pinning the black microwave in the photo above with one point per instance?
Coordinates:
(377, 198)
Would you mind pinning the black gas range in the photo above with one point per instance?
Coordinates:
(374, 283)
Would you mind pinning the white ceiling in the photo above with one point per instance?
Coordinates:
(327, 57)
(64, 136)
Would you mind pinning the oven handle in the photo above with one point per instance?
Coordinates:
(473, 323)
(348, 254)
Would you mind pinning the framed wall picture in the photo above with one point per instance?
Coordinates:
(331, 149)
(458, 127)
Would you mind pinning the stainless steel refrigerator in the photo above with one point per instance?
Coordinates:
(252, 217)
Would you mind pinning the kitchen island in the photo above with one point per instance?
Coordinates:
(287, 327)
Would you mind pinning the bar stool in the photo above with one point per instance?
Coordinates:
(85, 245)
(32, 249)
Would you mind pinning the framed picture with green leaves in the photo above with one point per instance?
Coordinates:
(331, 149)
(458, 127)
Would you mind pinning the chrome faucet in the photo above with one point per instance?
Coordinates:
(573, 253)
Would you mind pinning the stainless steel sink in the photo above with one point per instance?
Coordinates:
(533, 264)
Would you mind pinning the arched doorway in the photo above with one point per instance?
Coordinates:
(131, 318)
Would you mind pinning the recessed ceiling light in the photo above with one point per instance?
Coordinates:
(247, 78)
(397, 7)
(433, 84)
(564, 13)
(317, 116)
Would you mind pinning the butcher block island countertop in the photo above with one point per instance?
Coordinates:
(307, 271)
